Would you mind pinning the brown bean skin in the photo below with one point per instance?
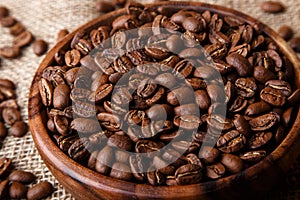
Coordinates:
(40, 190)
(21, 176)
(272, 7)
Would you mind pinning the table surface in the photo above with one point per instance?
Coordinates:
(44, 18)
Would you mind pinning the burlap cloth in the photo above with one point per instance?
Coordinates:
(44, 18)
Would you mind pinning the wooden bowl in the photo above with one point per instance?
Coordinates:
(84, 183)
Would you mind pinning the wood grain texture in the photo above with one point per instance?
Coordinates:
(84, 183)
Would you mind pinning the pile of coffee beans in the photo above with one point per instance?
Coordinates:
(13, 183)
(22, 36)
(10, 118)
(140, 100)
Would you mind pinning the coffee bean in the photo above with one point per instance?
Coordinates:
(189, 122)
(18, 129)
(264, 122)
(23, 39)
(295, 43)
(79, 150)
(286, 32)
(253, 156)
(61, 34)
(246, 87)
(272, 96)
(102, 92)
(40, 190)
(231, 141)
(202, 99)
(179, 96)
(17, 29)
(294, 98)
(262, 74)
(61, 96)
(259, 139)
(240, 63)
(104, 159)
(10, 51)
(241, 124)
(232, 163)
(85, 126)
(17, 190)
(120, 141)
(4, 12)
(4, 185)
(216, 93)
(272, 7)
(120, 171)
(40, 47)
(215, 171)
(11, 115)
(188, 174)
(104, 6)
(7, 21)
(209, 154)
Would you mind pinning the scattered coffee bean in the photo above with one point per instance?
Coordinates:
(104, 6)
(39, 47)
(17, 29)
(23, 39)
(4, 12)
(295, 44)
(272, 6)
(10, 51)
(17, 190)
(18, 129)
(40, 191)
(21, 176)
(7, 21)
(286, 32)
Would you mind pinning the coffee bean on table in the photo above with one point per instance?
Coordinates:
(17, 29)
(21, 176)
(4, 185)
(23, 39)
(4, 12)
(40, 191)
(104, 6)
(286, 32)
(18, 129)
(7, 21)
(295, 43)
(10, 51)
(272, 7)
(39, 47)
(17, 190)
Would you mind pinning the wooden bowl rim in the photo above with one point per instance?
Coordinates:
(60, 161)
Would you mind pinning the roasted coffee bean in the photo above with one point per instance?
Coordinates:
(92, 160)
(272, 7)
(23, 39)
(61, 34)
(72, 58)
(231, 141)
(46, 91)
(40, 47)
(166, 79)
(216, 93)
(120, 141)
(7, 83)
(246, 87)
(101, 93)
(4, 185)
(137, 167)
(189, 174)
(61, 124)
(186, 109)
(259, 139)
(18, 129)
(174, 43)
(5, 165)
(286, 32)
(85, 126)
(8, 21)
(202, 99)
(180, 96)
(17, 190)
(124, 22)
(264, 122)
(155, 177)
(241, 124)
(295, 43)
(148, 146)
(160, 111)
(17, 29)
(232, 163)
(263, 74)
(146, 88)
(215, 171)
(216, 108)
(105, 159)
(79, 150)
(288, 116)
(189, 122)
(219, 122)
(193, 24)
(253, 156)
(11, 115)
(40, 190)
(240, 63)
(4, 12)
(83, 109)
(61, 96)
(104, 6)
(272, 96)
(121, 171)
(282, 86)
(10, 51)
(21, 176)
(110, 121)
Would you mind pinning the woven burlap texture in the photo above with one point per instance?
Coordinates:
(44, 18)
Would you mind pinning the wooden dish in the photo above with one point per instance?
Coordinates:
(84, 183)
